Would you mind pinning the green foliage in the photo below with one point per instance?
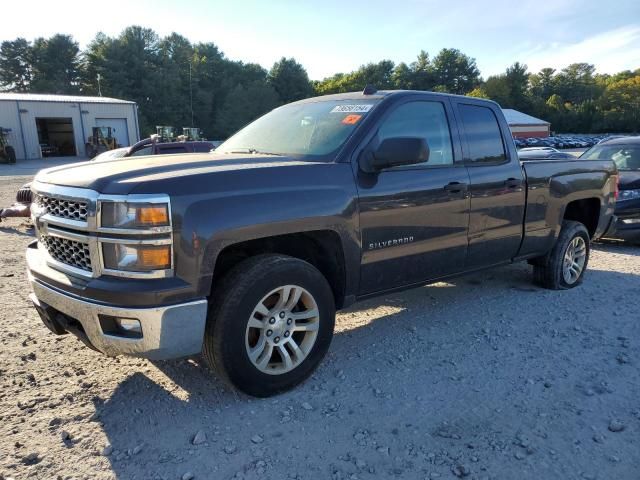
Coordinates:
(175, 82)
(454, 72)
(55, 66)
(290, 80)
(15, 65)
(478, 92)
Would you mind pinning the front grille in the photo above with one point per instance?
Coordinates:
(61, 208)
(69, 252)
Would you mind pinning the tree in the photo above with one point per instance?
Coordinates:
(576, 83)
(621, 105)
(478, 92)
(517, 80)
(497, 89)
(129, 69)
(15, 65)
(403, 77)
(542, 83)
(290, 80)
(165, 76)
(454, 72)
(244, 104)
(55, 64)
(555, 102)
(422, 72)
(380, 75)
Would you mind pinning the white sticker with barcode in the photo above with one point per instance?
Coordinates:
(361, 108)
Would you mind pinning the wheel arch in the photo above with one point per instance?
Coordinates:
(321, 248)
(585, 211)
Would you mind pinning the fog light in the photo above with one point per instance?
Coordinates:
(120, 326)
(129, 325)
(631, 221)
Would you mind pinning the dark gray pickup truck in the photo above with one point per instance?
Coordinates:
(245, 254)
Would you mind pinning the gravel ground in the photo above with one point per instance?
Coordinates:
(484, 377)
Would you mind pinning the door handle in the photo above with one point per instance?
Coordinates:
(513, 183)
(456, 187)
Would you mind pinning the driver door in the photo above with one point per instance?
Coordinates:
(414, 219)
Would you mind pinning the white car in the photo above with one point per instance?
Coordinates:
(111, 154)
(538, 149)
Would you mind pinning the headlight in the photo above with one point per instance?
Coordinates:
(628, 194)
(134, 215)
(136, 257)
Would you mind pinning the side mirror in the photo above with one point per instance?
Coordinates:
(395, 152)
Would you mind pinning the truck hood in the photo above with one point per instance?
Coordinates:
(123, 175)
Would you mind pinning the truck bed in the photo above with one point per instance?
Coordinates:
(552, 184)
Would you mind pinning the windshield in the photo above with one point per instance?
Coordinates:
(626, 157)
(311, 131)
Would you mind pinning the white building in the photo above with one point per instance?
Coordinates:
(60, 125)
(526, 126)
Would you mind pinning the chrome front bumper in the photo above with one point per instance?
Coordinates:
(167, 332)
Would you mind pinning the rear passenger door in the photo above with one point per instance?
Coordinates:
(497, 184)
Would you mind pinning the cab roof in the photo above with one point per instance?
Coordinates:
(380, 94)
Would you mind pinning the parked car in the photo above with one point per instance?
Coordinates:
(625, 153)
(246, 253)
(543, 154)
(150, 146)
(537, 149)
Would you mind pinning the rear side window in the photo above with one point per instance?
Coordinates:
(483, 135)
(427, 120)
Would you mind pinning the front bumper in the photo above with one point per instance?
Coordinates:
(171, 331)
(627, 224)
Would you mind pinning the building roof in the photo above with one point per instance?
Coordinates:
(39, 97)
(514, 117)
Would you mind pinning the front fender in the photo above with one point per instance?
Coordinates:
(302, 199)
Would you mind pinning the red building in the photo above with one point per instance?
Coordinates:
(526, 126)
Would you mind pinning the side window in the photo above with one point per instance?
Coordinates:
(483, 134)
(422, 119)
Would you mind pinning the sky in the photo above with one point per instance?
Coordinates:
(334, 36)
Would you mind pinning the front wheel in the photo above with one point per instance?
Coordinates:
(270, 324)
(564, 266)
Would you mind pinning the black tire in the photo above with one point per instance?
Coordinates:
(10, 153)
(24, 195)
(231, 306)
(90, 150)
(548, 270)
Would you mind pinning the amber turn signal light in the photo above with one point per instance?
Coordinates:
(153, 215)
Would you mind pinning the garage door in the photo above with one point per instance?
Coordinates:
(118, 127)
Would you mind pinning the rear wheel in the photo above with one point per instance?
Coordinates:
(270, 324)
(10, 153)
(564, 266)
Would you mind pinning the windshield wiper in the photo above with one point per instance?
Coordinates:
(253, 151)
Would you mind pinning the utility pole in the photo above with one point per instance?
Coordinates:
(99, 89)
(191, 94)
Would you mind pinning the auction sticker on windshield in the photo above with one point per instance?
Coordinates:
(351, 119)
(361, 108)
